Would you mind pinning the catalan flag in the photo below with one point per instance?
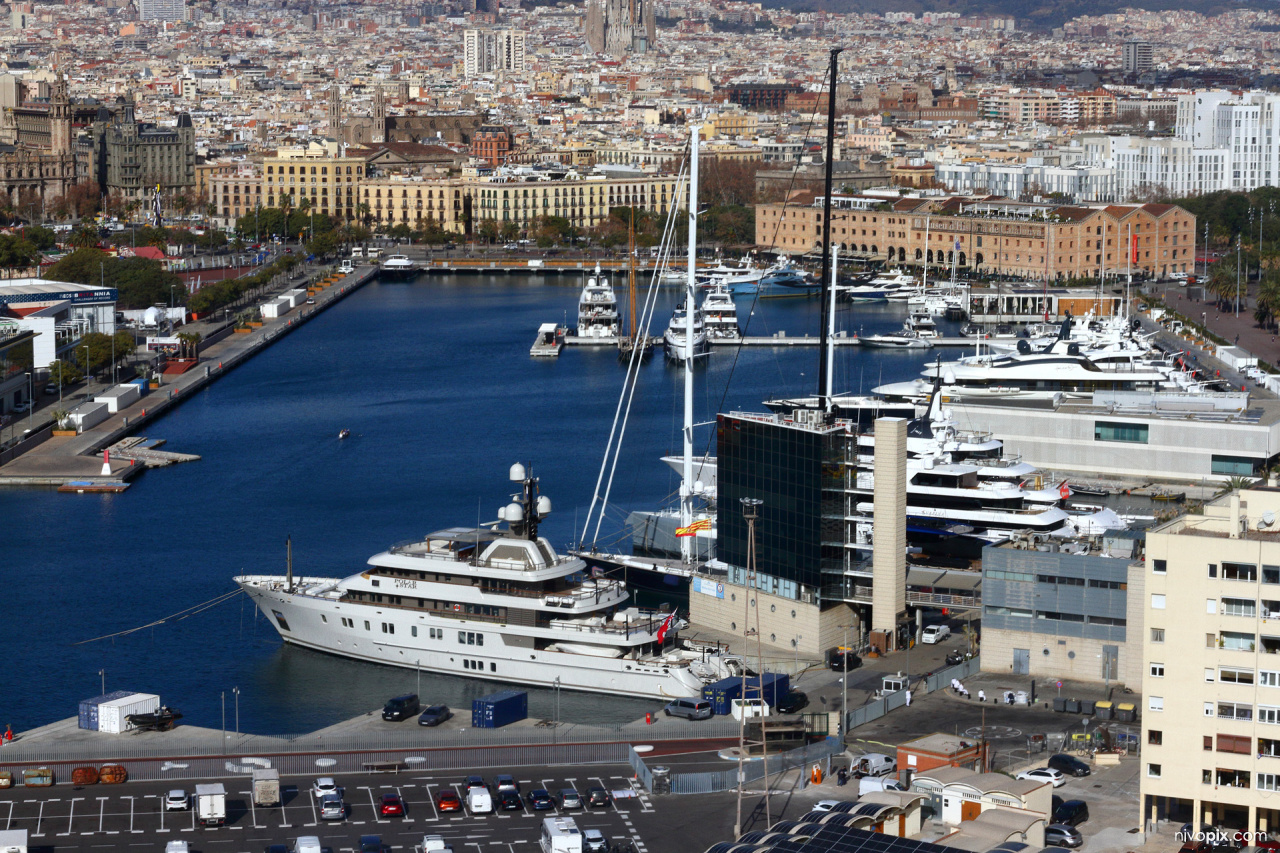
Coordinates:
(692, 529)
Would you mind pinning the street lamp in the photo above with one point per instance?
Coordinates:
(31, 401)
(796, 643)
(236, 691)
(86, 370)
(417, 665)
(224, 721)
(102, 673)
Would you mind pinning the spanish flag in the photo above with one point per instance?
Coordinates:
(701, 524)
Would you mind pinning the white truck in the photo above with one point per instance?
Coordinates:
(211, 804)
(13, 841)
(479, 801)
(266, 787)
(560, 835)
(435, 844)
(876, 764)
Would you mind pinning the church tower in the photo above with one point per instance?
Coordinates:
(335, 112)
(60, 116)
(379, 115)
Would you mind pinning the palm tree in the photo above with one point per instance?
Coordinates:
(1236, 483)
(1268, 301)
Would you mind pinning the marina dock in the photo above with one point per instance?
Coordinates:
(778, 339)
(77, 461)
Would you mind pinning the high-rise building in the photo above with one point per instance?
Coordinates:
(484, 51)
(1213, 752)
(619, 27)
(488, 7)
(1136, 57)
(162, 10)
(1246, 125)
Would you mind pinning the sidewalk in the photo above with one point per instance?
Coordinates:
(60, 458)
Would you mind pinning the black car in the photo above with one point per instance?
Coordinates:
(792, 703)
(509, 800)
(372, 844)
(276, 848)
(401, 707)
(840, 658)
(1069, 765)
(956, 657)
(434, 715)
(474, 782)
(597, 796)
(540, 800)
(1071, 812)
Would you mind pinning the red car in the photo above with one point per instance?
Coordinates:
(448, 801)
(392, 805)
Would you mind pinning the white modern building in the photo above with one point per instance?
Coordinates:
(1081, 182)
(485, 51)
(1246, 125)
(162, 10)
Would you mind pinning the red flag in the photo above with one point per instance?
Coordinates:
(1133, 248)
(1063, 491)
(666, 624)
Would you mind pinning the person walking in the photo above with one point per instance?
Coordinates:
(982, 695)
(908, 698)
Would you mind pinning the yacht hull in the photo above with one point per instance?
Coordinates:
(389, 639)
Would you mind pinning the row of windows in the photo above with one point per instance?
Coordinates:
(324, 170)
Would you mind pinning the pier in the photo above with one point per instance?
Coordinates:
(778, 339)
(45, 459)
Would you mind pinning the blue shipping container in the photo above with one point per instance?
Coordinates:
(776, 685)
(499, 709)
(88, 714)
(722, 693)
(142, 385)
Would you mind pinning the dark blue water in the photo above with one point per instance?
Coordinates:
(434, 380)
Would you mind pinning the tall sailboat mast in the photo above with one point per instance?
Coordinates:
(687, 543)
(824, 372)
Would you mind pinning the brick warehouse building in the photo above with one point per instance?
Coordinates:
(992, 235)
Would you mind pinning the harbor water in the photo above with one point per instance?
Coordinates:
(434, 381)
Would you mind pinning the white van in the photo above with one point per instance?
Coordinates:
(867, 784)
(435, 844)
(347, 267)
(876, 764)
(934, 634)
(560, 835)
(307, 844)
(479, 801)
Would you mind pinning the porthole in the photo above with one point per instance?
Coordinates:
(773, 608)
(793, 614)
(773, 638)
(753, 602)
(733, 626)
(733, 596)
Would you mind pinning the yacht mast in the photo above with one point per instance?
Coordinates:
(824, 370)
(687, 543)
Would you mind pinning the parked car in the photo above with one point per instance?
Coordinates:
(509, 800)
(505, 780)
(570, 799)
(955, 658)
(277, 848)
(474, 782)
(934, 634)
(325, 786)
(19, 408)
(1069, 765)
(51, 388)
(540, 800)
(434, 715)
(840, 658)
(372, 844)
(793, 702)
(598, 796)
(593, 841)
(1044, 774)
(690, 709)
(176, 800)
(1071, 812)
(332, 807)
(401, 707)
(1062, 835)
(447, 800)
(391, 805)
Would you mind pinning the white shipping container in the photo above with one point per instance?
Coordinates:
(88, 415)
(1236, 358)
(119, 397)
(111, 715)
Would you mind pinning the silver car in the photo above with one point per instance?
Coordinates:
(332, 807)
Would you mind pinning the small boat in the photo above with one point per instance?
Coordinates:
(343, 433)
(398, 267)
(922, 325)
(1091, 491)
(908, 338)
(783, 279)
(549, 342)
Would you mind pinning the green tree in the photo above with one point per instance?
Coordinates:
(510, 231)
(488, 230)
(64, 373)
(40, 237)
(401, 231)
(190, 344)
(17, 253)
(323, 244)
(85, 237)
(142, 282)
(81, 266)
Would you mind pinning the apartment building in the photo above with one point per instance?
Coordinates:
(1212, 613)
(1082, 182)
(1161, 164)
(1246, 125)
(315, 172)
(484, 51)
(235, 194)
(1028, 240)
(411, 201)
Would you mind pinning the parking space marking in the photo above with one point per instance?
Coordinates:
(39, 818)
(253, 811)
(8, 821)
(377, 816)
(71, 815)
(102, 813)
(431, 798)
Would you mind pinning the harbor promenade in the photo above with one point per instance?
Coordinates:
(56, 460)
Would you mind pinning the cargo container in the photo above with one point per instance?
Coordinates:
(1236, 358)
(499, 709)
(141, 385)
(211, 804)
(111, 715)
(84, 776)
(88, 716)
(275, 308)
(119, 397)
(722, 693)
(113, 774)
(88, 415)
(266, 787)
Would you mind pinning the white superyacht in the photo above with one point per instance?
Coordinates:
(495, 604)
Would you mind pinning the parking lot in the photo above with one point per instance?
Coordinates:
(131, 816)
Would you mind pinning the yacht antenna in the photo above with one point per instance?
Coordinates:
(824, 376)
(288, 561)
(687, 543)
